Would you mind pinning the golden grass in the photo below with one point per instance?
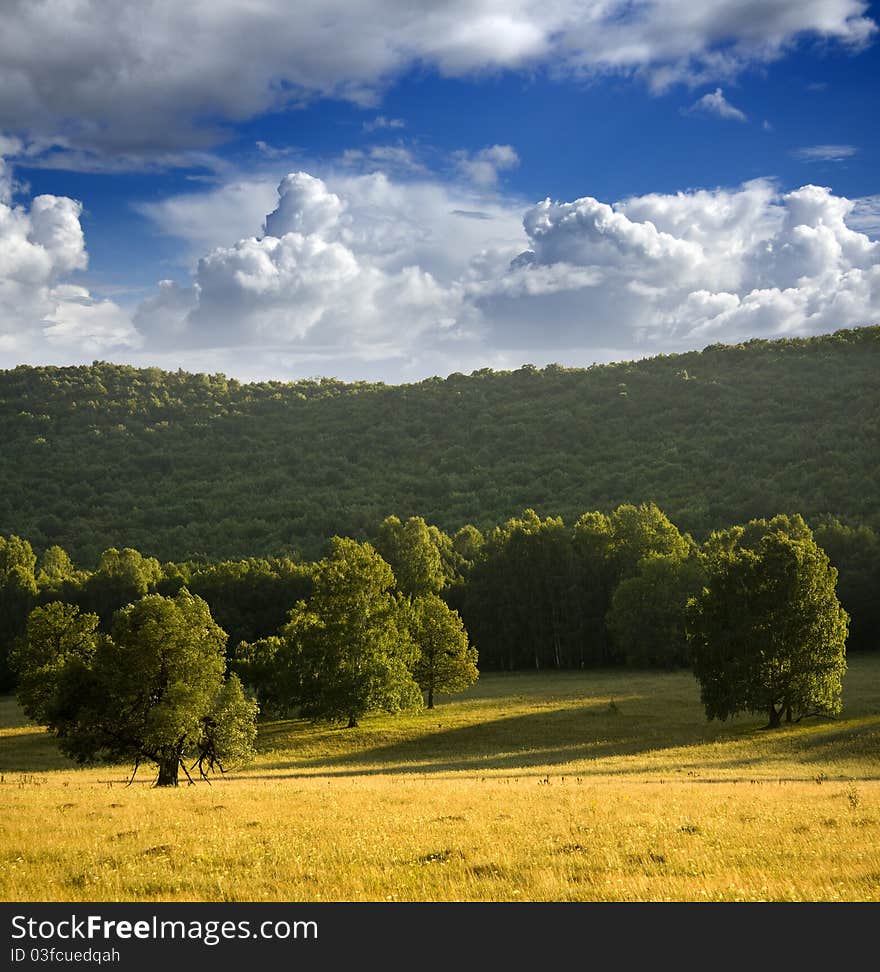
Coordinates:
(529, 787)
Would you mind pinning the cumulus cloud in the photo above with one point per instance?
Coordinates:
(359, 275)
(483, 167)
(141, 84)
(354, 268)
(825, 153)
(716, 104)
(669, 272)
(232, 210)
(865, 215)
(42, 312)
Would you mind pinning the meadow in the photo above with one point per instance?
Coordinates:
(579, 786)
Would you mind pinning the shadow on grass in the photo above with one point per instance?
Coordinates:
(563, 736)
(25, 751)
(545, 739)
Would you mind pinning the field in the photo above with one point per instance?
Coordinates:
(529, 787)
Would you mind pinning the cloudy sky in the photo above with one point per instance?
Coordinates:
(390, 191)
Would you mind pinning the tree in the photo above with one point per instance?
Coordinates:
(346, 647)
(855, 552)
(446, 661)
(122, 577)
(636, 532)
(151, 690)
(647, 614)
(18, 595)
(767, 631)
(229, 729)
(57, 636)
(56, 571)
(413, 555)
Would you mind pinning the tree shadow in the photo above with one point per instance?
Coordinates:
(548, 738)
(585, 734)
(25, 751)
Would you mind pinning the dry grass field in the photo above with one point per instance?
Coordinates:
(530, 787)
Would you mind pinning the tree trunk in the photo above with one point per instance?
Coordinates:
(788, 713)
(168, 770)
(352, 722)
(430, 698)
(775, 718)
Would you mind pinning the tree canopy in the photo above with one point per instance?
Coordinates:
(446, 661)
(346, 650)
(767, 631)
(153, 689)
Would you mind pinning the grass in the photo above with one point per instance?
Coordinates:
(542, 787)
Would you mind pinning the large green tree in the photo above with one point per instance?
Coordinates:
(346, 650)
(152, 690)
(446, 662)
(767, 631)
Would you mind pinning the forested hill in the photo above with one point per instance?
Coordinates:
(181, 465)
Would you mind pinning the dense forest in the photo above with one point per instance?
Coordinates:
(200, 467)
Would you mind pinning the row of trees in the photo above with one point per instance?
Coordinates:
(157, 685)
(755, 610)
(531, 593)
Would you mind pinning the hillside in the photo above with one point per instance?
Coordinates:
(180, 465)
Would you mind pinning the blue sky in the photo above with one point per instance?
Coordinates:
(482, 185)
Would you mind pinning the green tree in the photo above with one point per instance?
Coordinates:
(18, 595)
(346, 647)
(412, 554)
(122, 577)
(767, 631)
(647, 614)
(592, 540)
(56, 572)
(855, 552)
(636, 532)
(466, 542)
(56, 635)
(267, 667)
(153, 690)
(229, 729)
(446, 661)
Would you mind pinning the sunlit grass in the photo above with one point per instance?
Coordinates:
(575, 786)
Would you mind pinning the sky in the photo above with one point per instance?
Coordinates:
(383, 191)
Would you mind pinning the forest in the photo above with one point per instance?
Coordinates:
(201, 468)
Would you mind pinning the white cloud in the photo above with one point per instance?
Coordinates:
(382, 158)
(380, 121)
(865, 215)
(482, 168)
(825, 153)
(140, 84)
(353, 268)
(673, 272)
(362, 275)
(400, 280)
(42, 313)
(716, 104)
(207, 219)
